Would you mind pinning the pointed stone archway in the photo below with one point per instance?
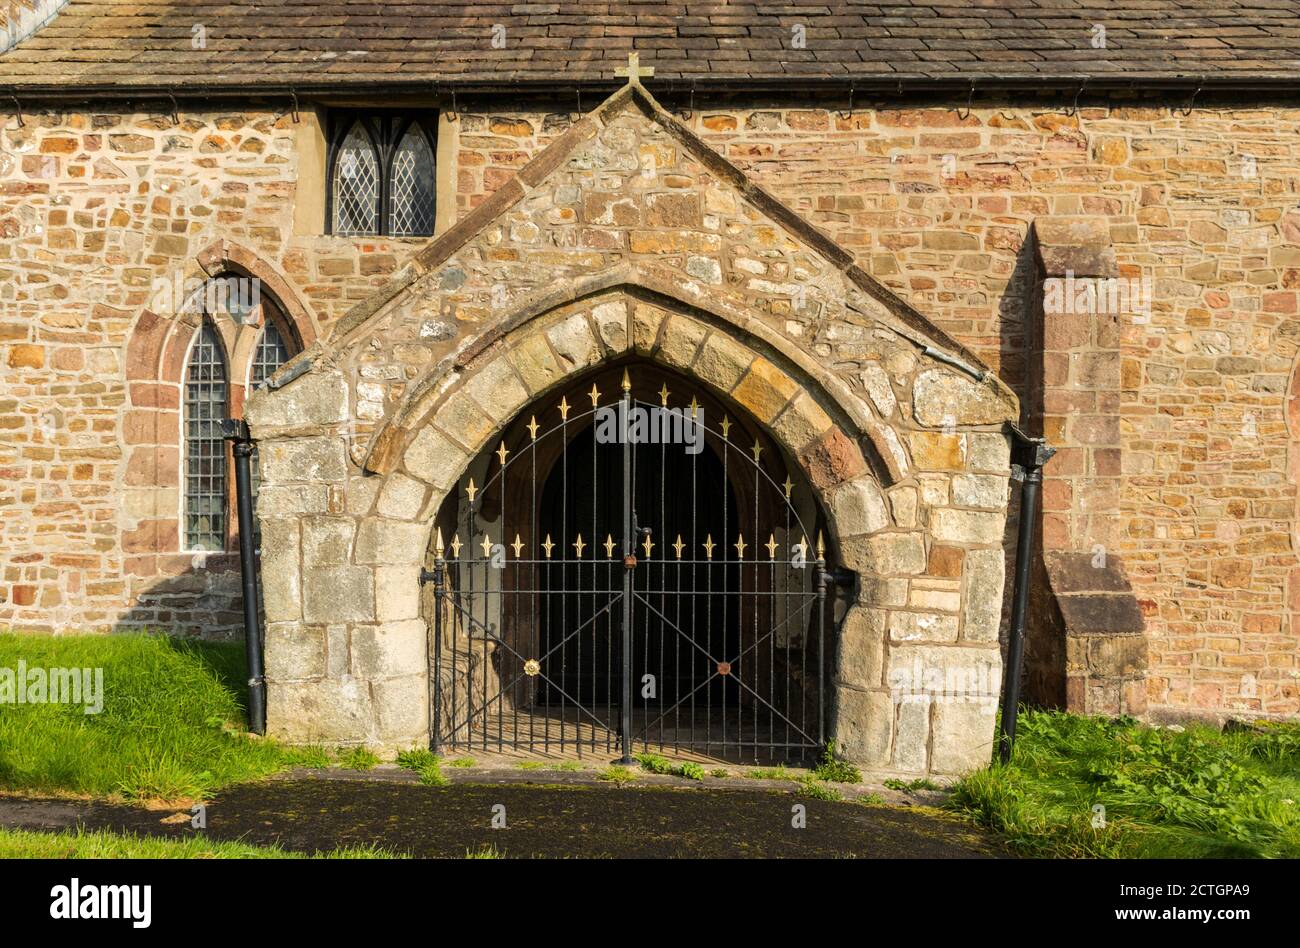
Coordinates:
(629, 237)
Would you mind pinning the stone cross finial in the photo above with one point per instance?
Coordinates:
(634, 72)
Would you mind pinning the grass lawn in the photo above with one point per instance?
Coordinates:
(173, 719)
(171, 725)
(100, 844)
(1166, 793)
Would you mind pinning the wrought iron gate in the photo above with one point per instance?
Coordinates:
(651, 616)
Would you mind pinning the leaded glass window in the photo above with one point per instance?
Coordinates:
(206, 399)
(270, 354)
(411, 193)
(356, 185)
(383, 179)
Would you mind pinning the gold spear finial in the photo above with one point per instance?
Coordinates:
(740, 546)
(609, 546)
(771, 545)
(517, 546)
(486, 546)
(579, 545)
(502, 453)
(647, 545)
(726, 427)
(663, 395)
(679, 546)
(533, 426)
(437, 543)
(471, 490)
(564, 408)
(548, 546)
(757, 450)
(627, 382)
(595, 395)
(455, 546)
(708, 546)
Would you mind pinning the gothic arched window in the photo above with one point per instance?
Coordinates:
(206, 406)
(356, 184)
(208, 477)
(382, 175)
(411, 185)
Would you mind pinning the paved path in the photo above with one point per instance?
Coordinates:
(541, 820)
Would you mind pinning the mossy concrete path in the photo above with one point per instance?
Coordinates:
(542, 819)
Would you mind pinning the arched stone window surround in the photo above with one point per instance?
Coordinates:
(1292, 417)
(157, 354)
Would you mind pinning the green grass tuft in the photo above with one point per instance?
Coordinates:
(908, 786)
(315, 757)
(171, 727)
(773, 773)
(358, 758)
(834, 769)
(654, 763)
(1165, 793)
(461, 762)
(103, 844)
(809, 787)
(425, 763)
(616, 774)
(662, 765)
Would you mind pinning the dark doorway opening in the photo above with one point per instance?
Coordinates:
(680, 497)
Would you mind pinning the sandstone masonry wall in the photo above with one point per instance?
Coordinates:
(94, 207)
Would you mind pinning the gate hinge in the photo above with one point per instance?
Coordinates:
(839, 576)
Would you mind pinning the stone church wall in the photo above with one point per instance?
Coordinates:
(95, 208)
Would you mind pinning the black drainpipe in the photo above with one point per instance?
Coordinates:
(236, 432)
(1028, 455)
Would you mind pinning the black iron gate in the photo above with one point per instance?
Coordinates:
(628, 578)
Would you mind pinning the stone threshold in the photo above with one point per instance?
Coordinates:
(872, 784)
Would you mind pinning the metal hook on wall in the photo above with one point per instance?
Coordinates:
(454, 114)
(1074, 108)
(176, 120)
(1200, 83)
(969, 99)
(845, 116)
(18, 110)
(293, 93)
(689, 113)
